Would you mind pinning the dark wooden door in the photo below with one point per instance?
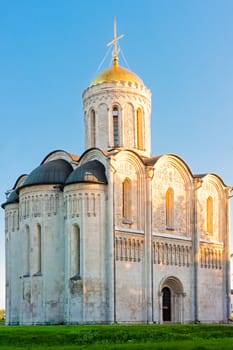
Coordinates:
(166, 304)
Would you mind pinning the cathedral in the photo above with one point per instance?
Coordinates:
(117, 235)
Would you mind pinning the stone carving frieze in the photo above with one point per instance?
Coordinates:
(33, 206)
(172, 254)
(210, 257)
(129, 249)
(82, 203)
(12, 220)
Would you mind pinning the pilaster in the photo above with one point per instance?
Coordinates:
(196, 246)
(149, 172)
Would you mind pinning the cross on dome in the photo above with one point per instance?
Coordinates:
(114, 42)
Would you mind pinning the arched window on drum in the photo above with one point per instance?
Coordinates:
(140, 129)
(115, 117)
(93, 128)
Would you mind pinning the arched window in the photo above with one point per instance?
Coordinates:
(126, 198)
(115, 115)
(170, 208)
(93, 129)
(37, 250)
(75, 252)
(27, 251)
(209, 215)
(166, 293)
(140, 129)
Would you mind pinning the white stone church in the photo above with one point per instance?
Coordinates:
(117, 235)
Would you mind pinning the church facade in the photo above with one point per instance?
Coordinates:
(117, 235)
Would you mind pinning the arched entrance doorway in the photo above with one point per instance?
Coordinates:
(166, 295)
(171, 300)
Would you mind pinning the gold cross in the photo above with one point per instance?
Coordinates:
(116, 48)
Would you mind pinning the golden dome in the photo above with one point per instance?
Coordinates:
(117, 73)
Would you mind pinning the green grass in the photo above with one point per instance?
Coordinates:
(145, 337)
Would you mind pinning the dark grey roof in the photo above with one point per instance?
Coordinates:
(13, 197)
(53, 172)
(92, 171)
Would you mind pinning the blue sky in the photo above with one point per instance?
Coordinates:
(50, 51)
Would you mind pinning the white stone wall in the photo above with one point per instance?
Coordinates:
(130, 291)
(181, 309)
(211, 289)
(87, 296)
(42, 293)
(124, 264)
(13, 257)
(210, 311)
(129, 166)
(170, 173)
(210, 188)
(130, 285)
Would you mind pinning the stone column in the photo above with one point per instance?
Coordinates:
(160, 298)
(182, 296)
(174, 307)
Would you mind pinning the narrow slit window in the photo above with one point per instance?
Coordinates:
(27, 251)
(37, 250)
(209, 214)
(93, 129)
(126, 198)
(140, 140)
(170, 209)
(75, 252)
